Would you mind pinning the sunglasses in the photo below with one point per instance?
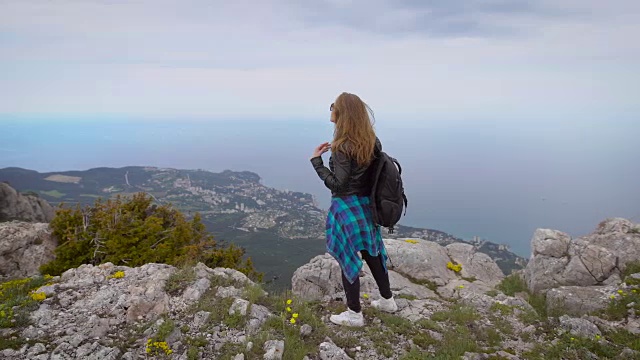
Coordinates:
(331, 107)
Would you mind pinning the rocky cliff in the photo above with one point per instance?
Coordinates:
(454, 303)
(28, 208)
(24, 247)
(25, 237)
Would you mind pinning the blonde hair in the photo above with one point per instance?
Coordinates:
(353, 134)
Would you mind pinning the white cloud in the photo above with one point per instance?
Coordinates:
(250, 59)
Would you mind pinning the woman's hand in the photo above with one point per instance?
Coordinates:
(321, 149)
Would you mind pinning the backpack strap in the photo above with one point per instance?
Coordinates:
(405, 203)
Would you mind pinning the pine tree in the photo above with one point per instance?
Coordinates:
(132, 232)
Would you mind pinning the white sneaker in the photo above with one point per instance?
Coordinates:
(387, 305)
(348, 318)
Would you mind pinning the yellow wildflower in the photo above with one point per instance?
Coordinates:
(366, 296)
(38, 296)
(454, 267)
(117, 275)
(620, 292)
(411, 241)
(572, 339)
(634, 291)
(613, 296)
(292, 321)
(295, 315)
(461, 286)
(288, 309)
(597, 337)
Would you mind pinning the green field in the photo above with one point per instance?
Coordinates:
(53, 193)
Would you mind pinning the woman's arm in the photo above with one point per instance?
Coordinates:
(337, 180)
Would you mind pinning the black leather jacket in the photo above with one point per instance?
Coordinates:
(344, 177)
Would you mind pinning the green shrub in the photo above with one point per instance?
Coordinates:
(131, 232)
(512, 284)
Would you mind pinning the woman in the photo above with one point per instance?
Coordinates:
(350, 228)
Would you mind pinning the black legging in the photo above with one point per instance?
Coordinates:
(379, 274)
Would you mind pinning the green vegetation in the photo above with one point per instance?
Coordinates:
(54, 193)
(512, 284)
(17, 299)
(180, 280)
(131, 232)
(458, 314)
(631, 268)
(571, 347)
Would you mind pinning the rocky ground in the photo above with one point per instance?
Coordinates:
(454, 303)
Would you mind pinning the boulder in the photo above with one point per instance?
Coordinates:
(412, 264)
(330, 351)
(595, 259)
(423, 260)
(579, 327)
(579, 300)
(28, 208)
(475, 264)
(24, 247)
(320, 279)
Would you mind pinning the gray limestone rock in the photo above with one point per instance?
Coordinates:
(24, 247)
(330, 351)
(578, 300)
(592, 260)
(239, 306)
(28, 208)
(579, 327)
(273, 350)
(475, 264)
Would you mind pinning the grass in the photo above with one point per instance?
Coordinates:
(405, 296)
(253, 293)
(459, 315)
(194, 344)
(631, 268)
(492, 293)
(500, 323)
(570, 347)
(501, 308)
(414, 354)
(17, 301)
(621, 303)
(539, 303)
(512, 284)
(280, 327)
(397, 324)
(457, 340)
(180, 280)
(424, 340)
(164, 330)
(218, 308)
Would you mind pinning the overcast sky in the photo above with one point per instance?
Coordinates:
(279, 59)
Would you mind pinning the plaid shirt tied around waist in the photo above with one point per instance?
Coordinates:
(350, 229)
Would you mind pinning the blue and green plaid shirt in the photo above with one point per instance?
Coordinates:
(350, 229)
